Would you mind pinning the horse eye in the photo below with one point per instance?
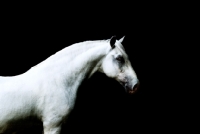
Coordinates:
(120, 58)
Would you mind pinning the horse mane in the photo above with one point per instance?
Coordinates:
(72, 51)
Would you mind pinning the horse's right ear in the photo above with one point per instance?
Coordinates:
(112, 41)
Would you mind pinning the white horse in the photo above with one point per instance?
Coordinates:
(48, 90)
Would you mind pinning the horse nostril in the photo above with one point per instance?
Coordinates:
(136, 86)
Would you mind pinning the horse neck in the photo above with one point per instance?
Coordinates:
(83, 65)
(77, 62)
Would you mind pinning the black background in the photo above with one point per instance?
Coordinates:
(30, 34)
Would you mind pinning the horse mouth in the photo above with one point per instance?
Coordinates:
(131, 91)
(128, 87)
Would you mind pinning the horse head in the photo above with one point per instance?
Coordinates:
(116, 65)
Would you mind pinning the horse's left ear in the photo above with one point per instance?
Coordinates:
(121, 40)
(112, 41)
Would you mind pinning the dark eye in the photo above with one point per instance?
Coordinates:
(120, 58)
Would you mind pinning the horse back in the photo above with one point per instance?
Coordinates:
(3, 79)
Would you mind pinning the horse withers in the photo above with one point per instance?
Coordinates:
(48, 90)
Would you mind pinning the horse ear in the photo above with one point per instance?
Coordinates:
(112, 41)
(121, 40)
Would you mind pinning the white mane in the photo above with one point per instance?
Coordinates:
(70, 52)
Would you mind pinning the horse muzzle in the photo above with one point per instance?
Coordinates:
(131, 88)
